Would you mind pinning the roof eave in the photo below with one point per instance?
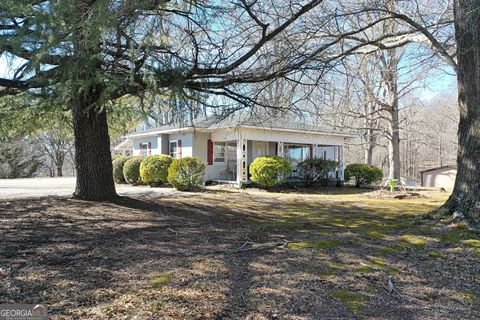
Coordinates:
(339, 134)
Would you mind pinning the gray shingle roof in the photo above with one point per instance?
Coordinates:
(239, 120)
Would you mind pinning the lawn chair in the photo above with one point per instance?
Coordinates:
(230, 171)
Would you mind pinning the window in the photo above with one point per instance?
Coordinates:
(231, 151)
(224, 151)
(144, 149)
(219, 152)
(297, 153)
(173, 149)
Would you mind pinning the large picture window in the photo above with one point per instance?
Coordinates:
(297, 153)
(224, 151)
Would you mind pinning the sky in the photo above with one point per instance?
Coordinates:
(437, 84)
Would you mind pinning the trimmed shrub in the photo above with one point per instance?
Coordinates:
(269, 171)
(118, 164)
(131, 170)
(154, 169)
(186, 174)
(116, 156)
(363, 174)
(312, 171)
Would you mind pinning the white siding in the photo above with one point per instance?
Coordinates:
(187, 143)
(152, 140)
(290, 137)
(195, 144)
(439, 178)
(200, 145)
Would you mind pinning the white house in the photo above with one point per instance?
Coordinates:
(230, 145)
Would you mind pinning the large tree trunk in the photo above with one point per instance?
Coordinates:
(93, 160)
(59, 170)
(394, 143)
(59, 164)
(465, 199)
(369, 153)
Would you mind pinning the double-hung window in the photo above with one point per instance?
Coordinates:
(219, 152)
(143, 149)
(174, 149)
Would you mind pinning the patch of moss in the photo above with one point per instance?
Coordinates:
(376, 235)
(472, 243)
(392, 250)
(353, 301)
(454, 236)
(324, 244)
(325, 232)
(377, 264)
(160, 279)
(413, 240)
(435, 254)
(325, 271)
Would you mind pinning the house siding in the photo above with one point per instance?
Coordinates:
(439, 178)
(195, 144)
(200, 142)
(187, 143)
(152, 140)
(290, 137)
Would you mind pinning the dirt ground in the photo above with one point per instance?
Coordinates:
(239, 254)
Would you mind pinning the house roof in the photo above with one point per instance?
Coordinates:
(248, 121)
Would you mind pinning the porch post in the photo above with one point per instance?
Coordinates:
(280, 151)
(315, 148)
(242, 174)
(341, 164)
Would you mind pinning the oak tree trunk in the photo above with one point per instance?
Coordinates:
(59, 160)
(369, 154)
(465, 199)
(394, 143)
(93, 160)
(59, 170)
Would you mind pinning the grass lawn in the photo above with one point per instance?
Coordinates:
(248, 254)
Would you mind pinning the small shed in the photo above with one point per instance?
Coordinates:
(440, 177)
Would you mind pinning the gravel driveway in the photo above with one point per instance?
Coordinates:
(41, 187)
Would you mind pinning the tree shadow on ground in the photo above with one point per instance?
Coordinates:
(211, 256)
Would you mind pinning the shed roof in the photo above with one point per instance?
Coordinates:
(452, 166)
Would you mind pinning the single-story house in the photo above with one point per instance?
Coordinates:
(440, 177)
(230, 145)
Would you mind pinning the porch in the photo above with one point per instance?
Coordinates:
(232, 158)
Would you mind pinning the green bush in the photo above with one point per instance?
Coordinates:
(186, 174)
(118, 164)
(312, 171)
(363, 174)
(131, 170)
(154, 169)
(116, 156)
(269, 171)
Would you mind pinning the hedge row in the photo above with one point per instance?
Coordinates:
(183, 174)
(187, 173)
(269, 171)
